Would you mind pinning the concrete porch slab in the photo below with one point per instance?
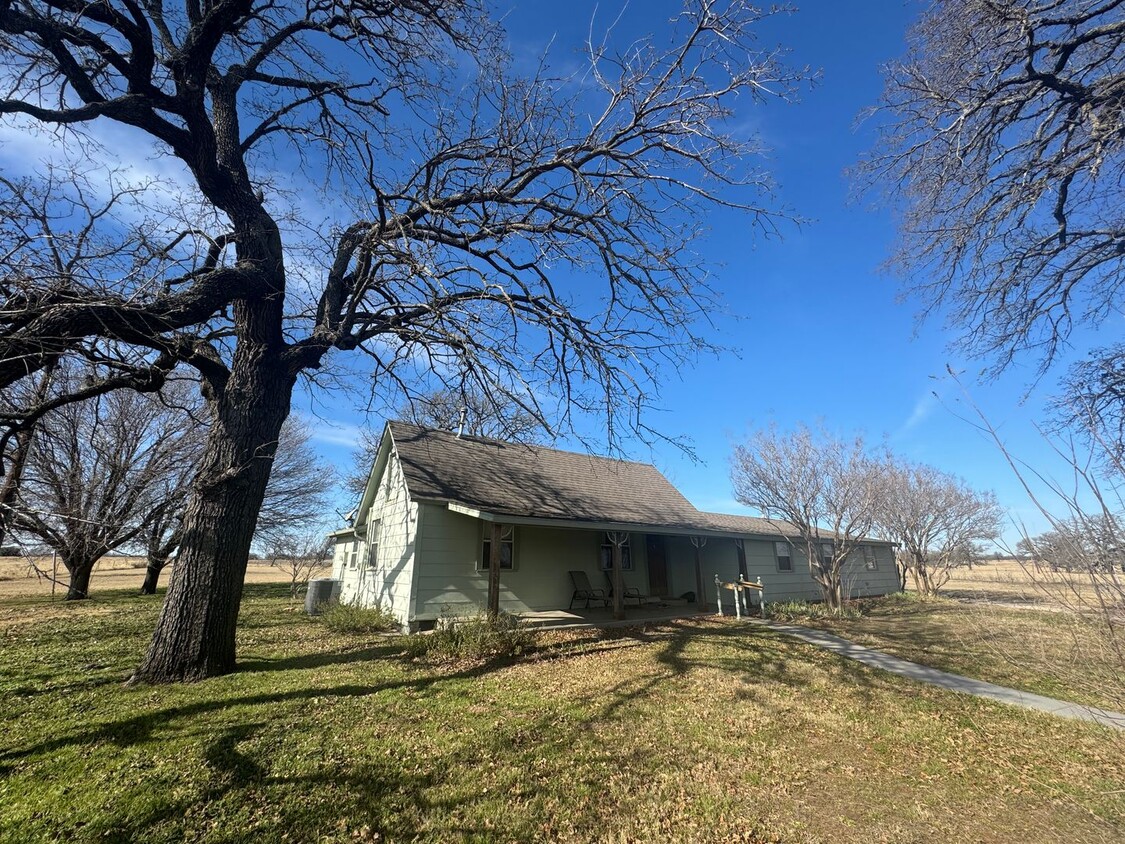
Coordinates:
(603, 616)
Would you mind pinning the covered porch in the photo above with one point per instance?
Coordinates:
(603, 616)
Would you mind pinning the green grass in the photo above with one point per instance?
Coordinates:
(696, 731)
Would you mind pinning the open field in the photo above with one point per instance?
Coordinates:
(18, 577)
(697, 731)
(1007, 581)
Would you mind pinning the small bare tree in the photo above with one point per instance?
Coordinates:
(935, 519)
(298, 495)
(1078, 543)
(301, 556)
(296, 502)
(823, 485)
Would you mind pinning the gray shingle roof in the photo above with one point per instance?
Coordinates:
(533, 481)
(750, 524)
(537, 482)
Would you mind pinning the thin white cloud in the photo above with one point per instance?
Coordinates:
(923, 409)
(336, 433)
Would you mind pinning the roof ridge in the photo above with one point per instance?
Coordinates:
(531, 446)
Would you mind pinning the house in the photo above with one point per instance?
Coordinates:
(420, 540)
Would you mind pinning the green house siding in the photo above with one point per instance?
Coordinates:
(450, 580)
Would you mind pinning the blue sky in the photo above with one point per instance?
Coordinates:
(817, 331)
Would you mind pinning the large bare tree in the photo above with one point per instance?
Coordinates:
(297, 499)
(936, 520)
(824, 485)
(529, 233)
(96, 473)
(1002, 139)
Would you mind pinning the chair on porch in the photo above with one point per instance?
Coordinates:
(631, 593)
(583, 590)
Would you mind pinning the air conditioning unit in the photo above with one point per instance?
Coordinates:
(322, 591)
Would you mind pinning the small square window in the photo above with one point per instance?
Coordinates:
(605, 556)
(784, 556)
(507, 548)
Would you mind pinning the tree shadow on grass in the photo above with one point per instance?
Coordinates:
(321, 659)
(406, 794)
(139, 729)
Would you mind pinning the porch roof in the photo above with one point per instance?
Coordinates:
(703, 526)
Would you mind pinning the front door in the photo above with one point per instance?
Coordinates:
(657, 566)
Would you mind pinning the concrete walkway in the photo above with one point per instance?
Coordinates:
(953, 682)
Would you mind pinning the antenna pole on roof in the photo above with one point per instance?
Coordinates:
(461, 421)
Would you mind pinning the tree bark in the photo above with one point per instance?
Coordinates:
(195, 635)
(152, 574)
(80, 569)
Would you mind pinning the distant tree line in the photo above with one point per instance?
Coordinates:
(116, 472)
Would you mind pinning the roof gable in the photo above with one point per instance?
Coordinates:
(533, 481)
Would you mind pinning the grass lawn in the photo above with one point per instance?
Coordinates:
(696, 731)
(1051, 653)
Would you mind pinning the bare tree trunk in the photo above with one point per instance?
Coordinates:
(195, 635)
(833, 590)
(80, 569)
(152, 574)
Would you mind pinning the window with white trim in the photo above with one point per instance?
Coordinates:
(784, 556)
(870, 560)
(353, 552)
(605, 555)
(507, 548)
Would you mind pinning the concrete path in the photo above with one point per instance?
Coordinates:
(953, 682)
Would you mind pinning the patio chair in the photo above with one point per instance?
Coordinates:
(631, 593)
(583, 590)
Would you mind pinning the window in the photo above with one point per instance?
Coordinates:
(870, 561)
(353, 551)
(784, 556)
(826, 552)
(507, 547)
(605, 555)
(373, 530)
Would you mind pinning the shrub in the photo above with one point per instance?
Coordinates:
(808, 610)
(478, 637)
(352, 618)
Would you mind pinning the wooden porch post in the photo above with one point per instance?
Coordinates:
(616, 540)
(700, 596)
(494, 569)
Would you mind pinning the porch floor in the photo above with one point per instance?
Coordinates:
(603, 616)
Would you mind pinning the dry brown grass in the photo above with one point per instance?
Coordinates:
(1015, 583)
(18, 576)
